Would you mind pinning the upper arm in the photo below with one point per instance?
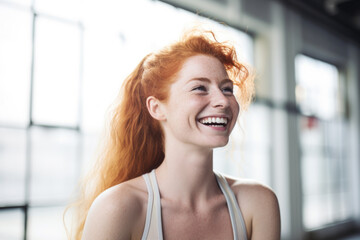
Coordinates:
(111, 216)
(266, 215)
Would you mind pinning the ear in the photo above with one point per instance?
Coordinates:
(155, 109)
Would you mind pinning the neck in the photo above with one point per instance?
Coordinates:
(186, 175)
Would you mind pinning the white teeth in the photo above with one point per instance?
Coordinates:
(217, 120)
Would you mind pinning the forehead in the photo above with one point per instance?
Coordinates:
(202, 66)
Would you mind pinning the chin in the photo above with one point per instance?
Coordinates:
(219, 144)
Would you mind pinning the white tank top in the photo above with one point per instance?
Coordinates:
(153, 223)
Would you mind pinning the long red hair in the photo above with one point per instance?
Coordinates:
(134, 143)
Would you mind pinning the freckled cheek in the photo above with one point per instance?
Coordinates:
(185, 108)
(191, 109)
(195, 102)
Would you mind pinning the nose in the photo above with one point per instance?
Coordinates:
(219, 100)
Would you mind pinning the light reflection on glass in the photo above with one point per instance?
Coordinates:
(56, 73)
(322, 136)
(317, 88)
(11, 224)
(15, 66)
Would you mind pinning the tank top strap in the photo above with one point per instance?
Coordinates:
(153, 226)
(149, 206)
(237, 220)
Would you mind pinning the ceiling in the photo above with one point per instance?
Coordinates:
(342, 16)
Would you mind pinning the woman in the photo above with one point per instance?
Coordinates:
(155, 179)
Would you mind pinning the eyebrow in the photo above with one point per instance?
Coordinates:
(204, 79)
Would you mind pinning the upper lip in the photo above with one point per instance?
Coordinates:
(215, 115)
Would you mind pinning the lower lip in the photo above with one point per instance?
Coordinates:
(217, 128)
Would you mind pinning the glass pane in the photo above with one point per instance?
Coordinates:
(12, 224)
(55, 156)
(89, 150)
(317, 90)
(15, 66)
(67, 9)
(46, 223)
(12, 166)
(56, 73)
(104, 68)
(322, 142)
(323, 172)
(25, 3)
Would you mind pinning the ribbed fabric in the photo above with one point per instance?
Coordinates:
(153, 222)
(153, 226)
(237, 220)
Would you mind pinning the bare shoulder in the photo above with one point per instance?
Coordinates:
(260, 207)
(116, 213)
(251, 191)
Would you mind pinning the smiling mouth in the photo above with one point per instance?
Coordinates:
(214, 121)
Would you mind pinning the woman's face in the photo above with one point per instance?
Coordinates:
(201, 109)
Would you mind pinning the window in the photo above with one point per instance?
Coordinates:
(56, 73)
(323, 143)
(11, 224)
(15, 66)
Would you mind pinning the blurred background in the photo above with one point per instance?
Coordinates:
(62, 64)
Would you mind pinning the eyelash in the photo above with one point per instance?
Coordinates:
(203, 89)
(199, 88)
(228, 89)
